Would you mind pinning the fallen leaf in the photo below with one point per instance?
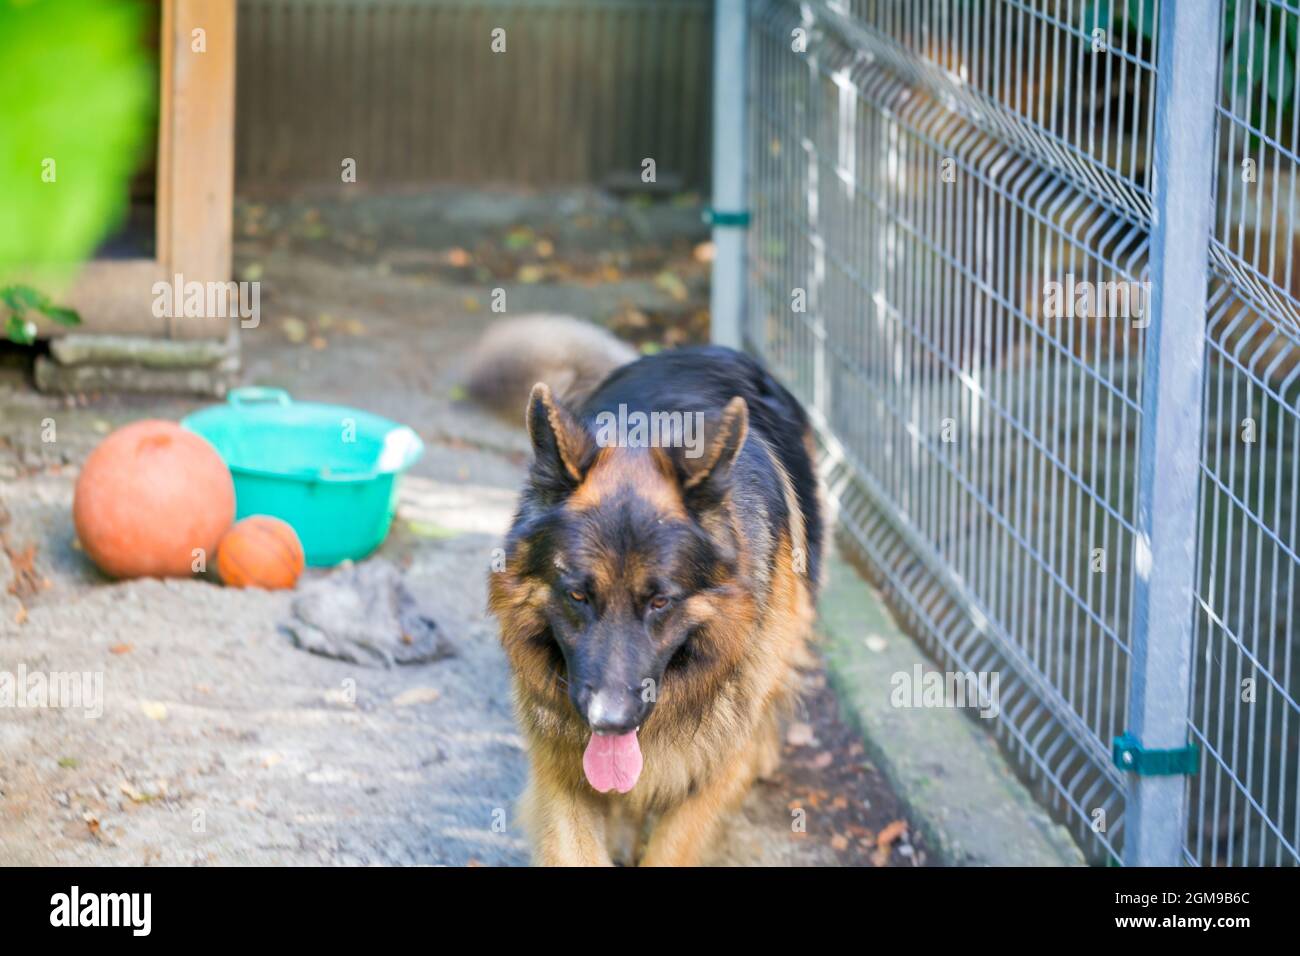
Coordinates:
(134, 795)
(417, 695)
(294, 328)
(885, 840)
(530, 274)
(822, 760)
(427, 529)
(839, 842)
(800, 735)
(20, 616)
(892, 831)
(121, 649)
(26, 581)
(458, 258)
(69, 763)
(153, 709)
(520, 237)
(671, 284)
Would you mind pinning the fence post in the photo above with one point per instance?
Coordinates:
(729, 213)
(1169, 464)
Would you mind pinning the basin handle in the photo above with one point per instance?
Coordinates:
(258, 395)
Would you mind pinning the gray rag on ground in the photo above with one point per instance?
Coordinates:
(365, 614)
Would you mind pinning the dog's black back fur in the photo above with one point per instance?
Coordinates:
(703, 379)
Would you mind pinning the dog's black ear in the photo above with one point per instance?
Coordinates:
(708, 473)
(562, 447)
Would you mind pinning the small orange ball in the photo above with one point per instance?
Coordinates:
(260, 552)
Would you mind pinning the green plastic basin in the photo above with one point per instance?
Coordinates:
(330, 471)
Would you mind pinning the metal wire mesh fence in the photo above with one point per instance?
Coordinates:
(954, 237)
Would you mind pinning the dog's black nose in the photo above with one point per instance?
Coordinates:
(611, 711)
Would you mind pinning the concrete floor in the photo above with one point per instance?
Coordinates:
(219, 742)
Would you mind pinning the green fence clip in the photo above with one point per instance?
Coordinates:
(717, 217)
(1130, 755)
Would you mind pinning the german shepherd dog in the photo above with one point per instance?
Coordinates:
(656, 602)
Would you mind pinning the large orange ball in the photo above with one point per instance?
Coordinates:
(260, 552)
(151, 499)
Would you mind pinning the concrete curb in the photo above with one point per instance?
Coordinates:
(949, 774)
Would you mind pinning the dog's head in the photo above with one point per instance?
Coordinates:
(626, 551)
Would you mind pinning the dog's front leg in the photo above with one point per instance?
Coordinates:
(567, 829)
(687, 831)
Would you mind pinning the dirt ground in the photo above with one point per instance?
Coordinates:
(219, 742)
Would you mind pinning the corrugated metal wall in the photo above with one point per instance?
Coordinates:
(412, 90)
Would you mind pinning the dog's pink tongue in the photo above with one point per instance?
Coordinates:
(612, 761)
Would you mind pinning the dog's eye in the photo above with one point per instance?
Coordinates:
(659, 602)
(577, 597)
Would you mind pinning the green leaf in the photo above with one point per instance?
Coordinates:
(1142, 14)
(1242, 65)
(1279, 77)
(20, 298)
(61, 315)
(1098, 13)
(1253, 63)
(20, 330)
